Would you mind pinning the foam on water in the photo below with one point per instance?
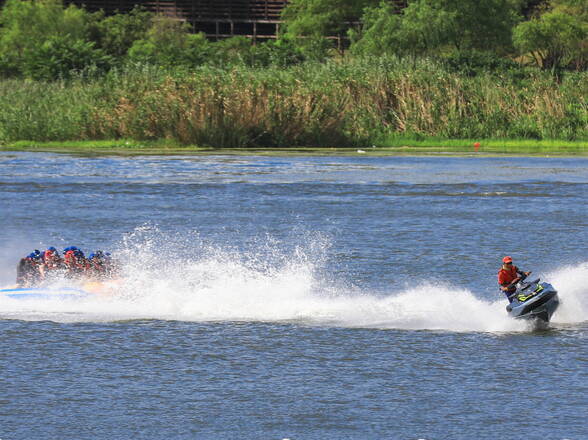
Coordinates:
(225, 285)
(571, 283)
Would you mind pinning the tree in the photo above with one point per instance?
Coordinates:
(428, 26)
(169, 43)
(234, 50)
(117, 33)
(59, 57)
(423, 27)
(558, 38)
(308, 23)
(27, 24)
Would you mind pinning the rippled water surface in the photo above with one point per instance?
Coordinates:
(296, 297)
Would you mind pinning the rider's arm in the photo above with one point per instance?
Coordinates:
(523, 274)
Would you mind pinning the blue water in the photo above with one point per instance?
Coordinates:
(296, 297)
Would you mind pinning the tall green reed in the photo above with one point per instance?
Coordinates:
(345, 102)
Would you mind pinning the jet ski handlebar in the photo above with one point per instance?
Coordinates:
(522, 278)
(520, 285)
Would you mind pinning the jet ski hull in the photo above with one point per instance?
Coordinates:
(535, 301)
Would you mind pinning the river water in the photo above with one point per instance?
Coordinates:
(347, 297)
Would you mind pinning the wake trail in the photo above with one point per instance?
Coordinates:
(218, 285)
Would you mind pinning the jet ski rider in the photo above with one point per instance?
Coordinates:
(508, 276)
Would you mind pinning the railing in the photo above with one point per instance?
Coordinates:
(267, 10)
(237, 10)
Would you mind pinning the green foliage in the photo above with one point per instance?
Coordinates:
(429, 26)
(39, 111)
(27, 24)
(349, 102)
(558, 38)
(169, 42)
(44, 40)
(475, 62)
(41, 39)
(279, 53)
(422, 28)
(321, 18)
(234, 50)
(117, 33)
(60, 57)
(308, 23)
(485, 25)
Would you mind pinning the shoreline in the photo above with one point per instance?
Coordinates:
(389, 147)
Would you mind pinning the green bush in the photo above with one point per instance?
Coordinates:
(240, 51)
(279, 53)
(169, 43)
(472, 63)
(25, 25)
(116, 34)
(60, 57)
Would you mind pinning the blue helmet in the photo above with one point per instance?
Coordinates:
(52, 249)
(92, 255)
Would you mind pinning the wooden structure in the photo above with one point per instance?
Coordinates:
(256, 19)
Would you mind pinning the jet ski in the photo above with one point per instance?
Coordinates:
(27, 293)
(533, 300)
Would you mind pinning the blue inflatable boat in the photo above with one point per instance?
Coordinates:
(44, 293)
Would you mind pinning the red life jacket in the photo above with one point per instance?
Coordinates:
(505, 277)
(68, 256)
(51, 260)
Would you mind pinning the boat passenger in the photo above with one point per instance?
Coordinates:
(81, 263)
(24, 270)
(51, 258)
(75, 262)
(508, 276)
(51, 262)
(27, 270)
(69, 259)
(97, 265)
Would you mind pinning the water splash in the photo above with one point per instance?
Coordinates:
(571, 283)
(207, 283)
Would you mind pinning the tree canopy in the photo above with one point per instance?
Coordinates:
(28, 27)
(309, 23)
(558, 37)
(45, 39)
(427, 26)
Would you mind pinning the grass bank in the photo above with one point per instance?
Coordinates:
(392, 146)
(354, 103)
(485, 146)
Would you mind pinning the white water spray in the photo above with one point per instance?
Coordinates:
(225, 285)
(571, 283)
